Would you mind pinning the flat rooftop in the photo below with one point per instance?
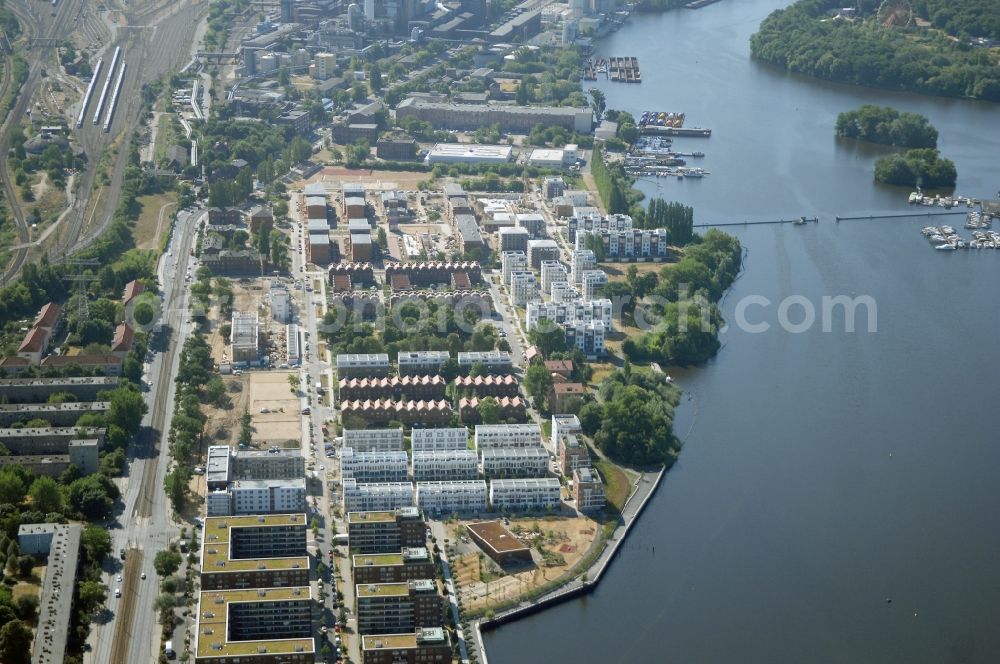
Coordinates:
(371, 517)
(213, 614)
(382, 590)
(215, 556)
(497, 537)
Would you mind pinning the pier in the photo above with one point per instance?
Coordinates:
(723, 224)
(904, 214)
(624, 70)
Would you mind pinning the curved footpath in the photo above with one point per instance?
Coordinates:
(586, 582)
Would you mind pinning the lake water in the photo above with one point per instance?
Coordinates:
(823, 473)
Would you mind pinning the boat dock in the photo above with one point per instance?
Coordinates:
(698, 4)
(656, 130)
(624, 70)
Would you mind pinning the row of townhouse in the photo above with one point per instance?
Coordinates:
(396, 387)
(377, 364)
(474, 495)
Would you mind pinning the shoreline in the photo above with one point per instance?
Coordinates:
(581, 585)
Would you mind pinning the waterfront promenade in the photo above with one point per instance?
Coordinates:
(585, 581)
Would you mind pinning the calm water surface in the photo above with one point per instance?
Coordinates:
(823, 473)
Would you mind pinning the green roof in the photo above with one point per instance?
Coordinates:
(370, 517)
(216, 603)
(378, 560)
(382, 590)
(389, 641)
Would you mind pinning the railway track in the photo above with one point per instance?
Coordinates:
(126, 608)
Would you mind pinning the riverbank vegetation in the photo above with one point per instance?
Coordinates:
(923, 167)
(805, 38)
(633, 421)
(685, 296)
(887, 126)
(964, 19)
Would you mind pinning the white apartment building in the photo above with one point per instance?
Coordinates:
(563, 292)
(460, 496)
(596, 222)
(373, 440)
(377, 466)
(492, 436)
(510, 262)
(563, 425)
(525, 495)
(493, 359)
(504, 462)
(376, 497)
(523, 288)
(445, 465)
(421, 361)
(579, 311)
(293, 345)
(258, 497)
(591, 281)
(425, 440)
(552, 272)
(362, 364)
(580, 261)
(587, 336)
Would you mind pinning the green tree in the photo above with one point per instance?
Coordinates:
(12, 489)
(143, 313)
(127, 409)
(166, 562)
(538, 382)
(598, 102)
(92, 595)
(15, 643)
(46, 495)
(93, 496)
(488, 411)
(96, 543)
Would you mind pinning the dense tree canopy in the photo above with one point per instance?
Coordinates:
(916, 168)
(804, 38)
(887, 126)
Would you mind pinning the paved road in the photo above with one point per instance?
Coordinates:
(145, 523)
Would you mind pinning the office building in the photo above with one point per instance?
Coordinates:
(409, 564)
(391, 608)
(525, 495)
(492, 436)
(452, 496)
(375, 496)
(386, 531)
(504, 462)
(382, 466)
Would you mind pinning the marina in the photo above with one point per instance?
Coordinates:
(616, 69)
(946, 238)
(919, 198)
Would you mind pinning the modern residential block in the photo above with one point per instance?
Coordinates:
(503, 462)
(386, 531)
(377, 466)
(391, 608)
(407, 565)
(445, 465)
(525, 495)
(375, 496)
(452, 496)
(492, 436)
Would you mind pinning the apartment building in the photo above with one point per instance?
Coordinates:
(532, 222)
(573, 454)
(245, 337)
(552, 272)
(579, 311)
(493, 360)
(259, 551)
(587, 336)
(421, 361)
(515, 119)
(428, 412)
(542, 250)
(508, 408)
(391, 608)
(525, 495)
(362, 364)
(630, 244)
(512, 238)
(60, 544)
(258, 497)
(375, 496)
(523, 288)
(262, 626)
(492, 436)
(445, 465)
(408, 564)
(293, 345)
(506, 462)
(386, 531)
(20, 390)
(564, 292)
(564, 425)
(377, 466)
(591, 282)
(452, 496)
(588, 490)
(271, 464)
(580, 261)
(452, 438)
(373, 440)
(512, 261)
(56, 414)
(428, 645)
(597, 223)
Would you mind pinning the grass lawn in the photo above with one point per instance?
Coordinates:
(547, 428)
(616, 484)
(166, 135)
(617, 271)
(150, 227)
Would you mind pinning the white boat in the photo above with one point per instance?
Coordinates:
(928, 230)
(946, 247)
